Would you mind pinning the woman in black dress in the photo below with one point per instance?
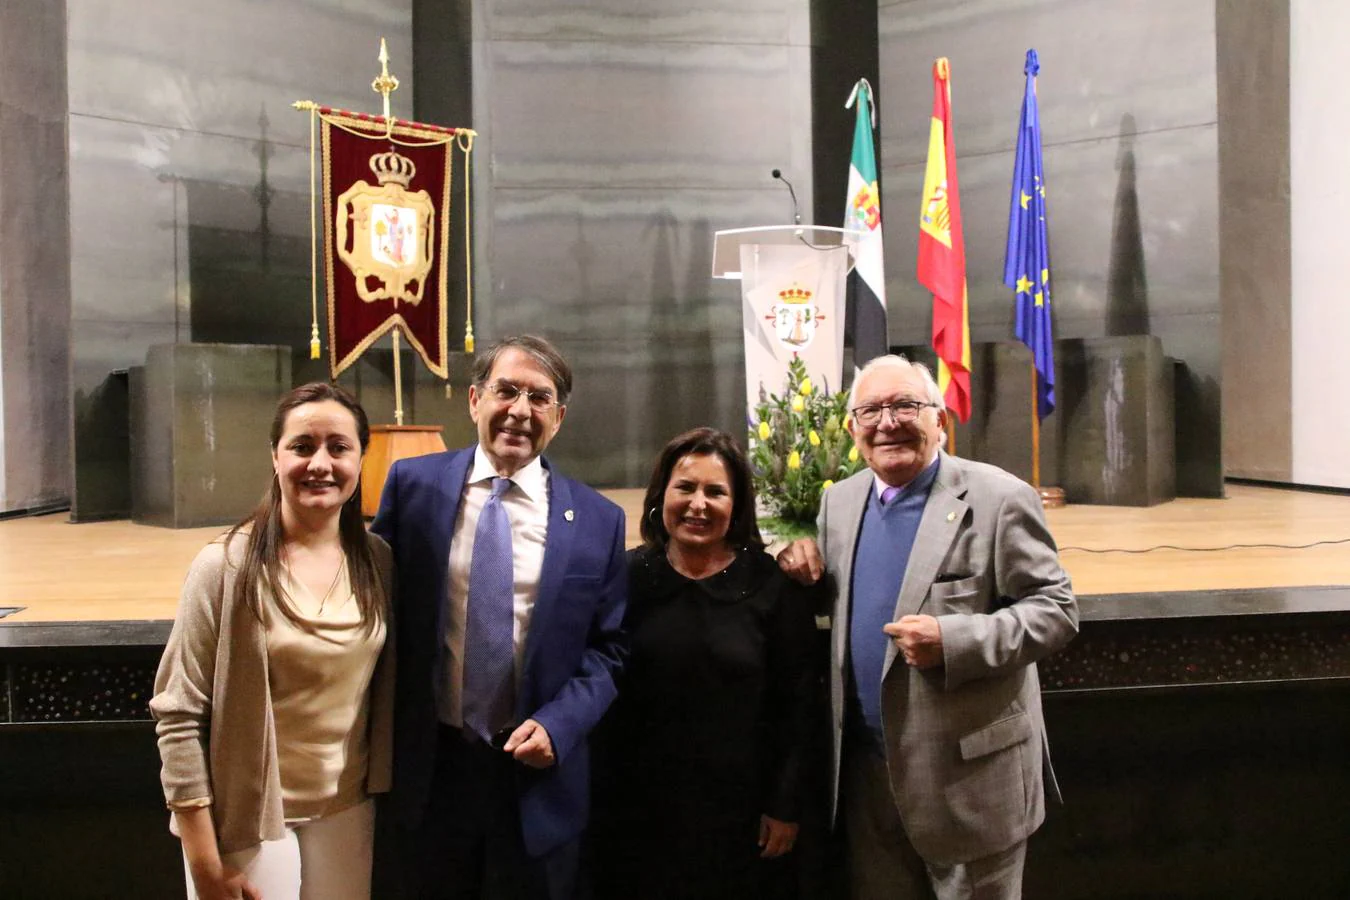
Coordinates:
(701, 765)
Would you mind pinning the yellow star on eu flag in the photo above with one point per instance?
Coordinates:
(1025, 199)
(1024, 285)
(1040, 299)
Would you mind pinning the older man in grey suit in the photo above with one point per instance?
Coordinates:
(948, 589)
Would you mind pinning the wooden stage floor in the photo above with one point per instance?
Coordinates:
(119, 571)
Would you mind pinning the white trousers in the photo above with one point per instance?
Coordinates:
(324, 859)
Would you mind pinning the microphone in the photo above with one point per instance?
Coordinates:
(796, 216)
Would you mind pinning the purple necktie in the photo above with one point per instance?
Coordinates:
(489, 645)
(890, 494)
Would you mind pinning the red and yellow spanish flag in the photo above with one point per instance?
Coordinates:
(942, 251)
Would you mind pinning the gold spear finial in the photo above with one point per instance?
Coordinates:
(384, 85)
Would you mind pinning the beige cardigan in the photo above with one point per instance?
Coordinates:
(213, 705)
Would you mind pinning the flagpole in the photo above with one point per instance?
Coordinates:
(1035, 431)
(1051, 497)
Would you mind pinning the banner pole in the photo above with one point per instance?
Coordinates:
(398, 380)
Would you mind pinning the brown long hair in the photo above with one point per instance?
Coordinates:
(743, 530)
(262, 553)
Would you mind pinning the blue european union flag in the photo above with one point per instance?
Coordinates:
(1026, 265)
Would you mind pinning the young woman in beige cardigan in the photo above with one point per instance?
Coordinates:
(274, 696)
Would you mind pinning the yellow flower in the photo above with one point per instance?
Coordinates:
(813, 438)
(797, 404)
(806, 387)
(831, 426)
(794, 460)
(763, 430)
(853, 454)
(826, 485)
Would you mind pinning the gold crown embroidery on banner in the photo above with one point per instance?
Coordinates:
(795, 295)
(393, 168)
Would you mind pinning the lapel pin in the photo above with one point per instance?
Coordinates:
(951, 517)
(569, 515)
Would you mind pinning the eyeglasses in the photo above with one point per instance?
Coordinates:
(506, 392)
(900, 410)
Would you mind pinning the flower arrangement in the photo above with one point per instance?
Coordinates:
(799, 446)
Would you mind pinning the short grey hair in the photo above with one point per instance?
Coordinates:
(897, 361)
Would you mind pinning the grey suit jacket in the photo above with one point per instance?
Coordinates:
(965, 741)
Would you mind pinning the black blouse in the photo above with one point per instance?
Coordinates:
(716, 695)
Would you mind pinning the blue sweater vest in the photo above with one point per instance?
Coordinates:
(885, 540)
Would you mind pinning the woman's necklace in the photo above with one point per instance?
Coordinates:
(333, 585)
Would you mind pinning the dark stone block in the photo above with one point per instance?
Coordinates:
(1118, 433)
(1111, 438)
(103, 454)
(1000, 426)
(200, 433)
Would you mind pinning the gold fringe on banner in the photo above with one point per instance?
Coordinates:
(465, 143)
(403, 133)
(314, 351)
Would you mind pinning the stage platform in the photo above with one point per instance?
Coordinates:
(119, 571)
(1207, 688)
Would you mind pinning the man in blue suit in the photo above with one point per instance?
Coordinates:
(511, 594)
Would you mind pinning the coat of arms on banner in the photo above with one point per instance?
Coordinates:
(794, 318)
(385, 234)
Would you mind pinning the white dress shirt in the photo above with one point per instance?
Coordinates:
(526, 505)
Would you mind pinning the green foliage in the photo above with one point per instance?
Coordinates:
(775, 530)
(799, 446)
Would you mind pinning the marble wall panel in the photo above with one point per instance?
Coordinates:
(1152, 59)
(775, 22)
(1124, 250)
(1255, 221)
(190, 182)
(620, 279)
(122, 224)
(631, 400)
(209, 66)
(161, 218)
(34, 248)
(620, 137)
(843, 49)
(589, 260)
(442, 46)
(674, 115)
(1131, 162)
(139, 194)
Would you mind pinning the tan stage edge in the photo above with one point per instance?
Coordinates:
(109, 571)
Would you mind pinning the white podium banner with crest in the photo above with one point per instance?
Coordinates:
(793, 306)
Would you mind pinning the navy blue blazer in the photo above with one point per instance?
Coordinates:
(573, 650)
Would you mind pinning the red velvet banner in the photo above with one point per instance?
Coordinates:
(386, 210)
